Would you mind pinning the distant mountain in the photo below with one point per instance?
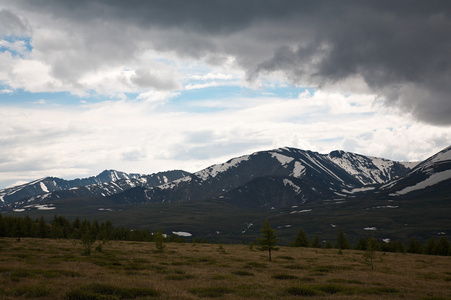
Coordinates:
(106, 183)
(275, 178)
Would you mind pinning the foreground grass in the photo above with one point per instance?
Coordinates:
(56, 269)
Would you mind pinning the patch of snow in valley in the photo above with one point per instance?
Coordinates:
(432, 180)
(182, 233)
(370, 228)
(106, 209)
(41, 206)
(300, 211)
(45, 207)
(248, 225)
(339, 194)
(18, 210)
(383, 206)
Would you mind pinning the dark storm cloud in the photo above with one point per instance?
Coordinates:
(11, 24)
(401, 49)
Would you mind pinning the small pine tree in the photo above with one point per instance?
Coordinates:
(159, 239)
(429, 248)
(414, 246)
(370, 253)
(301, 240)
(362, 244)
(442, 246)
(268, 240)
(342, 240)
(315, 242)
(87, 240)
(328, 245)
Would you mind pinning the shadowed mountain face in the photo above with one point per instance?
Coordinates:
(277, 178)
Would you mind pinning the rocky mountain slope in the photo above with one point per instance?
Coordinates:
(275, 178)
(429, 175)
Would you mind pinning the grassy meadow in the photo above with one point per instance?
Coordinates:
(58, 269)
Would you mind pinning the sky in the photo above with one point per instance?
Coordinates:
(149, 86)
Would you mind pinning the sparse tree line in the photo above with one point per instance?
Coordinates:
(62, 228)
(88, 231)
(432, 247)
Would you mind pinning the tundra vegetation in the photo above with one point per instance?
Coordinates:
(58, 269)
(56, 264)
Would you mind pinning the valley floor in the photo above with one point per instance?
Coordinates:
(58, 269)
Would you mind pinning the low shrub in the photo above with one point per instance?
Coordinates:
(35, 291)
(105, 291)
(301, 291)
(243, 273)
(256, 265)
(212, 292)
(296, 267)
(179, 276)
(381, 290)
(221, 277)
(286, 257)
(284, 276)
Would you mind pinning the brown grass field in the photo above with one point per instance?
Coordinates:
(57, 269)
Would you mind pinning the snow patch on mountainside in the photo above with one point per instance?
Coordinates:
(174, 183)
(431, 180)
(409, 165)
(321, 166)
(362, 167)
(283, 159)
(298, 170)
(381, 163)
(444, 155)
(287, 182)
(44, 187)
(357, 190)
(214, 170)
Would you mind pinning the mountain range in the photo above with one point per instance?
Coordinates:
(287, 185)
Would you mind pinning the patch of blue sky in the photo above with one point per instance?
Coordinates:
(10, 45)
(193, 100)
(235, 91)
(21, 97)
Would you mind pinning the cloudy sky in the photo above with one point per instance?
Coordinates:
(148, 86)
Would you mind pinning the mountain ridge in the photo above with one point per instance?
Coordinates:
(307, 175)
